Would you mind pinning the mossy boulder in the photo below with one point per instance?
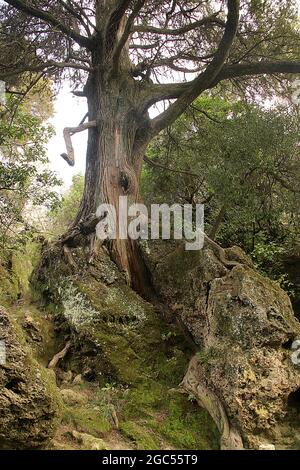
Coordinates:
(128, 347)
(244, 326)
(29, 402)
(89, 442)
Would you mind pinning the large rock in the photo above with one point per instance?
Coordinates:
(29, 404)
(89, 442)
(71, 397)
(125, 345)
(290, 264)
(244, 326)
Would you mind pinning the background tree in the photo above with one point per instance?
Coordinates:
(26, 184)
(64, 214)
(125, 52)
(243, 163)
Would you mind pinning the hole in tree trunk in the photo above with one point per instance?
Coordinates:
(124, 182)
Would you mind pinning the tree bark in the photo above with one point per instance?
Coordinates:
(115, 152)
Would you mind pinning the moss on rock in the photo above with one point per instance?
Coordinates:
(29, 401)
(120, 339)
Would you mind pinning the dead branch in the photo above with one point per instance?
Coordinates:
(60, 355)
(68, 132)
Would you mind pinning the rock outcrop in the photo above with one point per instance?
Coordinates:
(129, 355)
(29, 401)
(124, 351)
(290, 264)
(244, 326)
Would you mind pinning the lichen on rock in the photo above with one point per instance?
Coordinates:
(124, 344)
(244, 325)
(29, 401)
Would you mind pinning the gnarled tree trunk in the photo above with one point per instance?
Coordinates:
(115, 153)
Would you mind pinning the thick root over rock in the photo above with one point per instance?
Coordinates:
(244, 326)
(194, 383)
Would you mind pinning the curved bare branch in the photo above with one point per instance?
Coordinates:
(205, 79)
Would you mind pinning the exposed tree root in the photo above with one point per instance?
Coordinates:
(69, 257)
(60, 355)
(193, 382)
(78, 235)
(220, 253)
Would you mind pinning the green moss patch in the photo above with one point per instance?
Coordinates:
(87, 419)
(134, 356)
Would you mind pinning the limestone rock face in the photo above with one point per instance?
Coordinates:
(125, 347)
(244, 326)
(89, 442)
(291, 265)
(28, 400)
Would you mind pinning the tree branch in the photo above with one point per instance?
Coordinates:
(169, 91)
(115, 19)
(43, 66)
(69, 157)
(60, 355)
(50, 19)
(205, 79)
(173, 170)
(169, 62)
(126, 33)
(259, 68)
(164, 91)
(144, 47)
(77, 15)
(212, 19)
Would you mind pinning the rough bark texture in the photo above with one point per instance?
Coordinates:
(244, 326)
(114, 158)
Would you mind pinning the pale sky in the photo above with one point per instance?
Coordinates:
(69, 111)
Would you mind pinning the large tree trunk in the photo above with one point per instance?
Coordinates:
(114, 158)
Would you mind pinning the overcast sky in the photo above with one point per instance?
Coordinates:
(69, 111)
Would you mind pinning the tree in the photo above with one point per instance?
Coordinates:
(241, 161)
(64, 214)
(24, 177)
(122, 49)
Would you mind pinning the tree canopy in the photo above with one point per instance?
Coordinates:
(126, 56)
(239, 160)
(193, 45)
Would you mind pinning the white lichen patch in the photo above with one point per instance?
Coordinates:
(77, 309)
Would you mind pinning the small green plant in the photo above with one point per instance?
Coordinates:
(110, 399)
(168, 335)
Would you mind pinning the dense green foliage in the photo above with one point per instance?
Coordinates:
(241, 162)
(64, 214)
(26, 183)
